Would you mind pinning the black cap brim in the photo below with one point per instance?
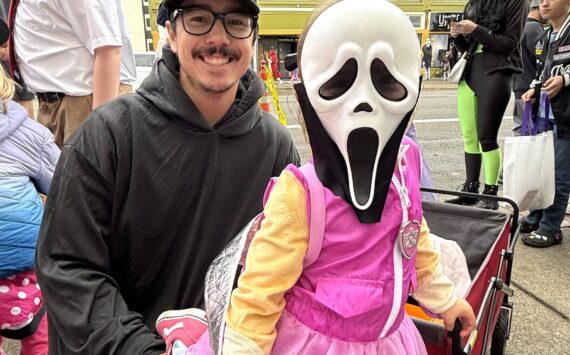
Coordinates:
(172, 5)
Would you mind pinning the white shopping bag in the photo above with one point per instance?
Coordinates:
(528, 170)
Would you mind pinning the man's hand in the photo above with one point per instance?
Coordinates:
(464, 27)
(527, 96)
(462, 310)
(553, 86)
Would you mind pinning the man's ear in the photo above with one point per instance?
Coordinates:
(171, 30)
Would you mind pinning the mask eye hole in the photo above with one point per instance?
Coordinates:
(340, 82)
(386, 85)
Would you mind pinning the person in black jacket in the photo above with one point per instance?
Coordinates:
(155, 183)
(427, 52)
(491, 32)
(554, 81)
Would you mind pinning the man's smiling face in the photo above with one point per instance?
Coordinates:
(213, 62)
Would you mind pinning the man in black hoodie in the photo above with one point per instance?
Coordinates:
(156, 183)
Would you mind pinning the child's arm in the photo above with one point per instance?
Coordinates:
(273, 265)
(435, 291)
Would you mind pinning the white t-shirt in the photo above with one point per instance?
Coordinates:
(55, 41)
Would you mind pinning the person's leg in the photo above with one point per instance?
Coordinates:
(73, 111)
(493, 94)
(518, 112)
(37, 343)
(1, 348)
(530, 223)
(467, 109)
(48, 115)
(554, 215)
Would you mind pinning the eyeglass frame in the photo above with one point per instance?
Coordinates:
(217, 16)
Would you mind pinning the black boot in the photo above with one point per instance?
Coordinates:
(487, 203)
(469, 186)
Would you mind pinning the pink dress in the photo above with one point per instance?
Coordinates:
(351, 300)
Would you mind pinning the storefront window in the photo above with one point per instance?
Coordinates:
(440, 45)
(440, 20)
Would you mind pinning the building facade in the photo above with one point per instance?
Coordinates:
(281, 22)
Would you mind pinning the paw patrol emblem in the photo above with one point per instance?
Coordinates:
(408, 238)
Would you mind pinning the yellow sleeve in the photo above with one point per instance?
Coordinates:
(434, 291)
(273, 265)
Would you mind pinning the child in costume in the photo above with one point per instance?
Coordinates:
(28, 156)
(360, 86)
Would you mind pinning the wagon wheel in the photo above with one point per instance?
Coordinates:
(501, 332)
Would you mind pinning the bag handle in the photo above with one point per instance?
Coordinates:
(316, 214)
(529, 126)
(526, 119)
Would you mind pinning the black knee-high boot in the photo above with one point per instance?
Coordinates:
(472, 170)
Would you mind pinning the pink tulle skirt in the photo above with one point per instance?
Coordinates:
(294, 337)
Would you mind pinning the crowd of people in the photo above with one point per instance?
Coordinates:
(146, 189)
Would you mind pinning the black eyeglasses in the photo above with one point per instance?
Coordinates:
(198, 21)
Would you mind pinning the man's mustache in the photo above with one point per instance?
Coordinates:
(211, 50)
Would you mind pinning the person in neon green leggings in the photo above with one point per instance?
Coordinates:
(491, 32)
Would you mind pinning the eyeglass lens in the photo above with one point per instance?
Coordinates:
(199, 21)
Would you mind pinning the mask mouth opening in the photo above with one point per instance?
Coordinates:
(362, 149)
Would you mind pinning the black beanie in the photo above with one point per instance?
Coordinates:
(4, 31)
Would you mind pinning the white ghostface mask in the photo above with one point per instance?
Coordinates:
(360, 65)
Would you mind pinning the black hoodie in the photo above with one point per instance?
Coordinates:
(145, 195)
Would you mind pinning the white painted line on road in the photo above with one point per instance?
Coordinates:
(440, 120)
(435, 120)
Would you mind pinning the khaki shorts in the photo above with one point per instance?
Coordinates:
(64, 115)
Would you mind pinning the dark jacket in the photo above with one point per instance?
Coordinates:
(559, 64)
(427, 54)
(501, 49)
(145, 196)
(533, 31)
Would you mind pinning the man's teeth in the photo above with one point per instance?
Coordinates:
(216, 60)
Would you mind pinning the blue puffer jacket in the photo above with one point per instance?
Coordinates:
(28, 157)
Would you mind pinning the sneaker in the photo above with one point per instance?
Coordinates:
(541, 238)
(526, 227)
(184, 325)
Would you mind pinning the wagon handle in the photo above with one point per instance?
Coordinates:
(499, 285)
